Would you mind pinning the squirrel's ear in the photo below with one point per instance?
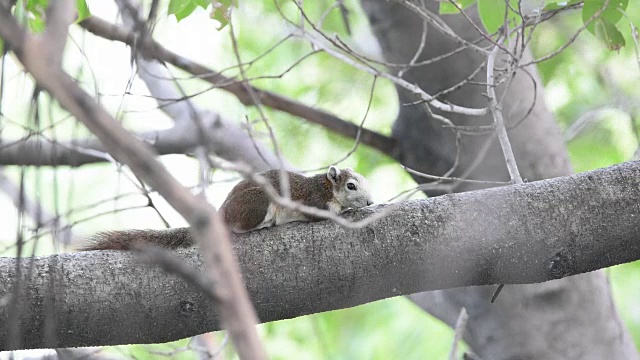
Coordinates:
(333, 175)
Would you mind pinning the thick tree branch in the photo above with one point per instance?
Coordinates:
(154, 50)
(526, 233)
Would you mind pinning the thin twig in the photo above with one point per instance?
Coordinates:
(496, 111)
(456, 179)
(461, 324)
(440, 25)
(62, 233)
(311, 38)
(156, 51)
(284, 177)
(572, 38)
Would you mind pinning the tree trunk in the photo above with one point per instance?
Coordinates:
(572, 318)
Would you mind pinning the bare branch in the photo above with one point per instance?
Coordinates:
(423, 95)
(442, 26)
(60, 15)
(496, 111)
(227, 138)
(62, 233)
(152, 49)
(237, 313)
(572, 39)
(461, 325)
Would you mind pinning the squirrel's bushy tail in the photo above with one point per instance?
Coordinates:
(126, 239)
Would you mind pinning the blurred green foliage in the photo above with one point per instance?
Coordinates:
(599, 16)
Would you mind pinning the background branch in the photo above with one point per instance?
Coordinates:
(237, 313)
(154, 50)
(62, 232)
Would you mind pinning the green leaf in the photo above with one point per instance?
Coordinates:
(492, 14)
(37, 9)
(176, 6)
(446, 7)
(1, 48)
(186, 11)
(221, 11)
(83, 10)
(203, 3)
(37, 6)
(37, 25)
(609, 35)
(611, 13)
(36, 14)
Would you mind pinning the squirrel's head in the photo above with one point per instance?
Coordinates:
(350, 189)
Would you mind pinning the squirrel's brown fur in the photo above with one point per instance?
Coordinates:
(247, 207)
(126, 239)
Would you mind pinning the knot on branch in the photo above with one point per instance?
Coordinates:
(560, 265)
(187, 308)
(412, 231)
(200, 221)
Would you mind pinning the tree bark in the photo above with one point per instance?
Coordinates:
(517, 234)
(567, 319)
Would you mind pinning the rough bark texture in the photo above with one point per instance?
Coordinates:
(519, 234)
(567, 319)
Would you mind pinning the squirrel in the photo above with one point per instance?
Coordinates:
(248, 208)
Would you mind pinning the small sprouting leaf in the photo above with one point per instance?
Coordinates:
(83, 10)
(609, 35)
(1, 48)
(446, 7)
(221, 11)
(37, 6)
(612, 13)
(492, 14)
(37, 25)
(36, 14)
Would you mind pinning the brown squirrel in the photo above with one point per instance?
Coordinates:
(247, 208)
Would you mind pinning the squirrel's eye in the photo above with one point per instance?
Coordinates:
(351, 186)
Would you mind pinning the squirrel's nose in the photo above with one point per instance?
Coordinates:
(369, 202)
